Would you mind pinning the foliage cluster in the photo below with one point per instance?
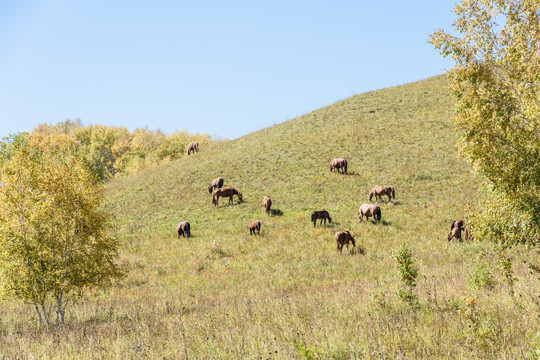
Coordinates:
(110, 151)
(496, 81)
(53, 235)
(408, 272)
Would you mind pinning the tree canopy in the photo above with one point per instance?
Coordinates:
(54, 240)
(496, 81)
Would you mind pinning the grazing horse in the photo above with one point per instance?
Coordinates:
(193, 147)
(217, 183)
(342, 238)
(254, 226)
(183, 229)
(266, 204)
(323, 215)
(456, 228)
(226, 192)
(379, 190)
(338, 163)
(369, 210)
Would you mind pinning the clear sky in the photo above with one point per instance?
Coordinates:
(226, 68)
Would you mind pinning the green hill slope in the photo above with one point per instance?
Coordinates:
(287, 293)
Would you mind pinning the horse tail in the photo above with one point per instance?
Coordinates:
(378, 212)
(345, 166)
(393, 193)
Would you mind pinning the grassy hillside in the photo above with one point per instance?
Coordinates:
(287, 293)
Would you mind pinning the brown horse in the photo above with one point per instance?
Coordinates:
(323, 215)
(226, 192)
(369, 210)
(254, 226)
(379, 190)
(193, 147)
(338, 163)
(456, 228)
(183, 229)
(217, 183)
(266, 204)
(343, 238)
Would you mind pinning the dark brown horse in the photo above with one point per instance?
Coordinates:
(217, 183)
(323, 215)
(226, 192)
(193, 147)
(369, 210)
(183, 229)
(343, 238)
(338, 163)
(379, 190)
(266, 204)
(254, 226)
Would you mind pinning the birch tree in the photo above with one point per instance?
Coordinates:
(53, 236)
(496, 81)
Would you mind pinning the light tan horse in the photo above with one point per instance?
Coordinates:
(343, 238)
(254, 226)
(226, 192)
(193, 147)
(217, 183)
(266, 204)
(338, 163)
(379, 190)
(369, 210)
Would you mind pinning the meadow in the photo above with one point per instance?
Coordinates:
(288, 294)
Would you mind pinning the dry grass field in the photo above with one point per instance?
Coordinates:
(288, 294)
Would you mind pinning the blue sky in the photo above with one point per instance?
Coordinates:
(226, 68)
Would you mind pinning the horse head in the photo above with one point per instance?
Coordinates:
(240, 196)
(370, 195)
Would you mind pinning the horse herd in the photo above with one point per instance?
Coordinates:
(343, 237)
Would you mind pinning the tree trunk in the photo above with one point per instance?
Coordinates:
(45, 314)
(39, 313)
(59, 309)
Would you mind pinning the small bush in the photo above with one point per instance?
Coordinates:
(408, 272)
(481, 278)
